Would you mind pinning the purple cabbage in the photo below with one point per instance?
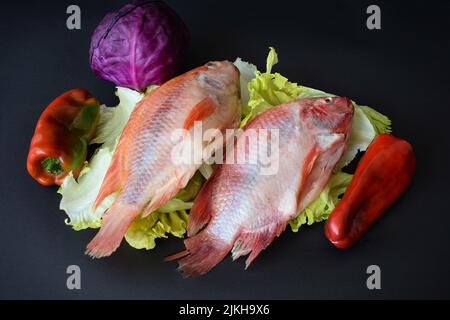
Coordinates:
(143, 43)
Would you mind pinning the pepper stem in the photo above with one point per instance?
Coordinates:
(52, 166)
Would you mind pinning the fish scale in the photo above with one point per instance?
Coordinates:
(142, 170)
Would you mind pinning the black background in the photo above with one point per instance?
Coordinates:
(401, 70)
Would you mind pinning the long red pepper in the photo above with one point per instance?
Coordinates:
(383, 174)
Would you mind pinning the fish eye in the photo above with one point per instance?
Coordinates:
(210, 64)
(328, 100)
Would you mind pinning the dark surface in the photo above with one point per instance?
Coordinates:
(402, 70)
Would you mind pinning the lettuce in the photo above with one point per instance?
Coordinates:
(171, 218)
(269, 89)
(79, 195)
(366, 125)
(113, 120)
(191, 190)
(143, 232)
(247, 73)
(380, 122)
(321, 208)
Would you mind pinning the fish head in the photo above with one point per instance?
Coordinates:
(328, 115)
(219, 77)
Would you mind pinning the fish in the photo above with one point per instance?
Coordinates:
(143, 171)
(241, 210)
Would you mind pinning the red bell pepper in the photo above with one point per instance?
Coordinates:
(59, 143)
(383, 174)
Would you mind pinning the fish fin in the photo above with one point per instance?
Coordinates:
(201, 110)
(114, 226)
(167, 192)
(202, 254)
(112, 182)
(255, 241)
(308, 164)
(176, 256)
(323, 143)
(200, 213)
(321, 162)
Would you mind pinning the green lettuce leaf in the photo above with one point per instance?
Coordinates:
(269, 89)
(113, 120)
(380, 122)
(192, 188)
(79, 196)
(366, 125)
(320, 209)
(247, 73)
(143, 232)
(170, 219)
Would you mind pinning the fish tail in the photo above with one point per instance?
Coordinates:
(253, 242)
(114, 226)
(201, 255)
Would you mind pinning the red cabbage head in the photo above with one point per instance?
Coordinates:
(143, 43)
